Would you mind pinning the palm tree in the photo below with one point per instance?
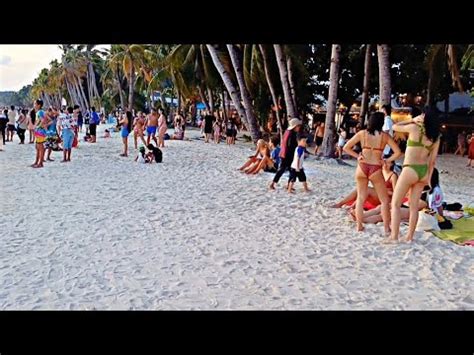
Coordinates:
(229, 84)
(383, 53)
(365, 91)
(328, 140)
(283, 68)
(271, 85)
(236, 58)
(130, 57)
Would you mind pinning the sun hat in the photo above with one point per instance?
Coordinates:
(294, 122)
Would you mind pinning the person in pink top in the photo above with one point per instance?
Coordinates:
(162, 128)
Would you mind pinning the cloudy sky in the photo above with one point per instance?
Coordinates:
(20, 64)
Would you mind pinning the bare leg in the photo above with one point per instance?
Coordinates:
(406, 179)
(305, 186)
(351, 197)
(290, 187)
(361, 181)
(135, 140)
(381, 190)
(415, 193)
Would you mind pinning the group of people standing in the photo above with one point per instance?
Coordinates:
(213, 128)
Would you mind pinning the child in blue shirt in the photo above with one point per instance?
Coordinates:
(296, 170)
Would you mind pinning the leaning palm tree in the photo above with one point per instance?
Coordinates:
(365, 90)
(236, 59)
(283, 68)
(328, 140)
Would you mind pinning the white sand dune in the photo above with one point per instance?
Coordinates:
(103, 232)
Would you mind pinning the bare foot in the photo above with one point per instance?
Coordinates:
(37, 166)
(390, 241)
(272, 186)
(336, 205)
(33, 165)
(407, 240)
(307, 190)
(360, 227)
(291, 191)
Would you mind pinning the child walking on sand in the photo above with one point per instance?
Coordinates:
(296, 170)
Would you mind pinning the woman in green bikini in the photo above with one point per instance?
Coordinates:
(420, 155)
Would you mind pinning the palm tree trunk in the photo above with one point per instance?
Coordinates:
(282, 67)
(429, 91)
(81, 101)
(271, 86)
(383, 52)
(232, 90)
(224, 112)
(211, 100)
(289, 66)
(328, 140)
(84, 98)
(131, 89)
(365, 91)
(203, 98)
(236, 59)
(120, 92)
(454, 68)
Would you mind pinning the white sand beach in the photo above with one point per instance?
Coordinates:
(104, 232)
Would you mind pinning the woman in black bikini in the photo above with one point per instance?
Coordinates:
(373, 142)
(420, 155)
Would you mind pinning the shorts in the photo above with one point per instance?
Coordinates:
(68, 137)
(229, 132)
(319, 141)
(297, 174)
(124, 132)
(11, 127)
(151, 130)
(92, 129)
(207, 130)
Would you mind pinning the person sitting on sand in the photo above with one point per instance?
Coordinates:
(369, 167)
(275, 151)
(141, 157)
(154, 153)
(435, 195)
(178, 130)
(297, 170)
(390, 177)
(260, 152)
(264, 161)
(106, 134)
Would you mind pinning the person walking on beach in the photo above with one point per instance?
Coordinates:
(126, 123)
(22, 125)
(31, 125)
(162, 128)
(66, 130)
(369, 168)
(318, 136)
(11, 123)
(42, 122)
(208, 121)
(151, 126)
(287, 151)
(297, 170)
(94, 121)
(420, 156)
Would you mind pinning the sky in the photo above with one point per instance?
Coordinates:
(21, 64)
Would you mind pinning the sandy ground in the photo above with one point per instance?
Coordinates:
(103, 232)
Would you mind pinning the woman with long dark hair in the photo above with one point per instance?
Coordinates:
(420, 156)
(126, 122)
(373, 141)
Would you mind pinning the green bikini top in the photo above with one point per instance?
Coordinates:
(411, 143)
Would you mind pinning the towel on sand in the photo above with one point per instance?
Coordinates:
(463, 230)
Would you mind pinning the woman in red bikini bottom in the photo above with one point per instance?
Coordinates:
(369, 168)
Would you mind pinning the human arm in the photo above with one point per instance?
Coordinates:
(397, 153)
(351, 143)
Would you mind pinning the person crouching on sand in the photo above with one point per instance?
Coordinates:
(154, 153)
(297, 170)
(141, 157)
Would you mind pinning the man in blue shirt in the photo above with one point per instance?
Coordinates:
(94, 121)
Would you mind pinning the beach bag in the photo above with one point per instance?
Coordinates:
(74, 141)
(427, 222)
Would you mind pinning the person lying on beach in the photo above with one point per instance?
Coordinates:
(297, 170)
(390, 178)
(154, 153)
(374, 216)
(260, 152)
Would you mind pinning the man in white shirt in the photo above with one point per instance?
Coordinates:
(387, 127)
(11, 123)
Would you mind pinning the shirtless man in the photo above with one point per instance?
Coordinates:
(151, 126)
(138, 127)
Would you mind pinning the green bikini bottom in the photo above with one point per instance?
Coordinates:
(420, 169)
